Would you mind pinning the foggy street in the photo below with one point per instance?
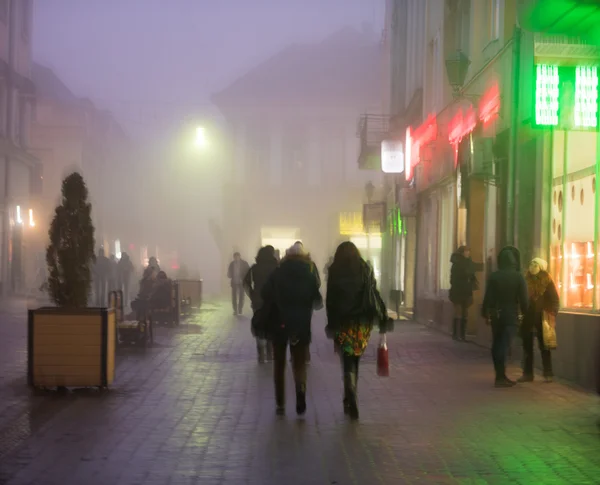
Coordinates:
(198, 409)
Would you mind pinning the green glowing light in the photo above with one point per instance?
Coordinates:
(586, 97)
(546, 95)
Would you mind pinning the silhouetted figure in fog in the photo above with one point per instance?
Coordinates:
(505, 296)
(124, 271)
(292, 291)
(101, 276)
(462, 284)
(354, 306)
(236, 273)
(153, 263)
(254, 282)
(160, 297)
(112, 273)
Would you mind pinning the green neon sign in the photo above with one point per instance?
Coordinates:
(547, 94)
(566, 97)
(586, 97)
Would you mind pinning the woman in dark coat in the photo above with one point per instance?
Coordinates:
(291, 294)
(353, 306)
(462, 284)
(254, 282)
(543, 297)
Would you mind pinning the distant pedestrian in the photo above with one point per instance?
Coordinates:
(254, 282)
(112, 273)
(236, 273)
(125, 270)
(462, 284)
(353, 307)
(543, 298)
(504, 303)
(292, 292)
(101, 275)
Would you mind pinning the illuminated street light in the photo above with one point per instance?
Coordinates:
(201, 141)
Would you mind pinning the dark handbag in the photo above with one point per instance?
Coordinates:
(262, 321)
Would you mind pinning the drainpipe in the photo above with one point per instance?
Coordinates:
(10, 110)
(514, 132)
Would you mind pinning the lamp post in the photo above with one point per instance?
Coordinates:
(457, 66)
(369, 191)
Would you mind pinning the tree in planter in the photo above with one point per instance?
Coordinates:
(70, 255)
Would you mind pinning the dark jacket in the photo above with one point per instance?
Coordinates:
(160, 297)
(542, 297)
(352, 297)
(291, 293)
(124, 269)
(244, 268)
(506, 290)
(257, 277)
(462, 280)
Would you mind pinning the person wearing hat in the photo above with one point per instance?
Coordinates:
(543, 297)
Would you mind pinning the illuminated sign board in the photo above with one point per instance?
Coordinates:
(566, 97)
(392, 156)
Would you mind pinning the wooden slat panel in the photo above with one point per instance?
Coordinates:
(71, 350)
(75, 340)
(67, 370)
(93, 319)
(65, 329)
(85, 360)
(66, 381)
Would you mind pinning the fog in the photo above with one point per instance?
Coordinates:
(164, 68)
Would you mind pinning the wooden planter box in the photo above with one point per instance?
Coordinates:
(71, 348)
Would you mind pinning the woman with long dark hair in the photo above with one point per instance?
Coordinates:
(255, 280)
(353, 307)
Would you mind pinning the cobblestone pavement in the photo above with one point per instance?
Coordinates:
(198, 409)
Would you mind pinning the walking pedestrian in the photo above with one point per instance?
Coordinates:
(353, 307)
(505, 296)
(543, 297)
(101, 275)
(254, 282)
(462, 284)
(112, 273)
(236, 273)
(291, 291)
(124, 271)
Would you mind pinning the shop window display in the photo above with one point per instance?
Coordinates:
(573, 205)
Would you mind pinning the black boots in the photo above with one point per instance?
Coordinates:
(459, 329)
(301, 399)
(350, 398)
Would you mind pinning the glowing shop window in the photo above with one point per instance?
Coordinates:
(586, 97)
(546, 95)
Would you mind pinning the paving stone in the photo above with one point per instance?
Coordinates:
(198, 409)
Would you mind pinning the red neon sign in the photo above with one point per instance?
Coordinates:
(424, 134)
(489, 105)
(460, 126)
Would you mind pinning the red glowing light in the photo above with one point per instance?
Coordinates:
(424, 134)
(489, 105)
(460, 126)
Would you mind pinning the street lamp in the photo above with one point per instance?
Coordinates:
(200, 140)
(457, 65)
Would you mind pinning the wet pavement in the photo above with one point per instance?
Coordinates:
(198, 409)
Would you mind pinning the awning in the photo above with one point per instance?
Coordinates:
(578, 18)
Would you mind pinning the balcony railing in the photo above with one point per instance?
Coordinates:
(372, 130)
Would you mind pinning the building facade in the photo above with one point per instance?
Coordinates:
(18, 168)
(292, 129)
(505, 152)
(69, 134)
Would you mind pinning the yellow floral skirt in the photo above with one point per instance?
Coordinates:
(354, 339)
